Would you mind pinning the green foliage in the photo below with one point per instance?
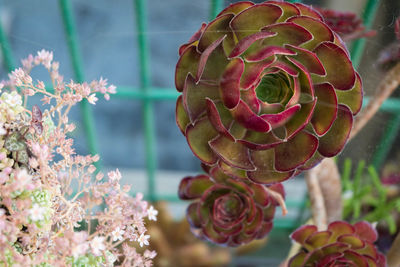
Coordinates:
(8, 257)
(365, 197)
(87, 260)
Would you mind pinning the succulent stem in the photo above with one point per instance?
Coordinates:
(389, 83)
(317, 200)
(278, 197)
(393, 256)
(331, 188)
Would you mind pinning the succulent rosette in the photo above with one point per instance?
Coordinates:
(347, 24)
(228, 211)
(342, 244)
(268, 90)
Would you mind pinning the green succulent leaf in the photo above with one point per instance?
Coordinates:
(13, 142)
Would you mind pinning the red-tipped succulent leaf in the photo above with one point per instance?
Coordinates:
(228, 211)
(268, 90)
(342, 244)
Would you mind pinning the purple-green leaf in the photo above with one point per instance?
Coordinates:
(334, 140)
(230, 83)
(234, 154)
(197, 136)
(326, 108)
(252, 19)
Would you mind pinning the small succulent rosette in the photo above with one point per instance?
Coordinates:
(268, 90)
(228, 211)
(347, 24)
(342, 244)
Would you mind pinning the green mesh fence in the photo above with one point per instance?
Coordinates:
(147, 94)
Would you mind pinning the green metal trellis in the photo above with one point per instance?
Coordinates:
(147, 94)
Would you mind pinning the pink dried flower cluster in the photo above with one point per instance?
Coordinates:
(55, 210)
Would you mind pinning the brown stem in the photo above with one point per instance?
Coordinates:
(331, 188)
(160, 243)
(358, 34)
(317, 201)
(386, 87)
(327, 178)
(393, 256)
(278, 197)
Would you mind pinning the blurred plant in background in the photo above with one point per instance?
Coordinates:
(367, 197)
(54, 209)
(373, 197)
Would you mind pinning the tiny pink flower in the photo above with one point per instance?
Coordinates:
(27, 63)
(143, 240)
(29, 92)
(4, 177)
(40, 85)
(150, 254)
(23, 179)
(55, 66)
(117, 234)
(33, 162)
(70, 127)
(126, 188)
(99, 176)
(91, 169)
(139, 196)
(7, 170)
(96, 158)
(16, 76)
(97, 245)
(92, 99)
(13, 99)
(44, 57)
(80, 249)
(152, 214)
(112, 89)
(114, 175)
(37, 212)
(2, 131)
